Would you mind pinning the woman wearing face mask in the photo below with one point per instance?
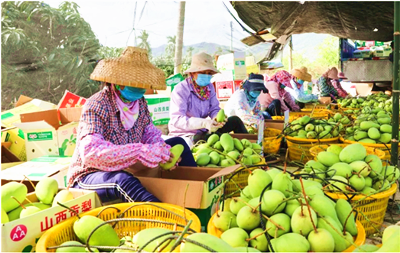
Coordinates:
(194, 104)
(278, 100)
(298, 90)
(244, 104)
(116, 131)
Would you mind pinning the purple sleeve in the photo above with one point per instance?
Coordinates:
(178, 107)
(104, 155)
(214, 103)
(288, 99)
(152, 135)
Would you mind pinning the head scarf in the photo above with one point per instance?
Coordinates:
(283, 77)
(128, 111)
(202, 93)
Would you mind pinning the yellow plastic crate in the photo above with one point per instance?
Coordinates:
(299, 149)
(358, 240)
(374, 207)
(317, 114)
(63, 232)
(272, 142)
(370, 151)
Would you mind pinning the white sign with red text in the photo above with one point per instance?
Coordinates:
(21, 235)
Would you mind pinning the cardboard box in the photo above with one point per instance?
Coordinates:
(325, 100)
(277, 124)
(36, 169)
(71, 100)
(8, 118)
(16, 137)
(45, 136)
(159, 108)
(21, 235)
(225, 89)
(234, 64)
(8, 159)
(201, 187)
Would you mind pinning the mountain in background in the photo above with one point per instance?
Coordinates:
(301, 42)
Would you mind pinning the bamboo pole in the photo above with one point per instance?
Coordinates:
(396, 84)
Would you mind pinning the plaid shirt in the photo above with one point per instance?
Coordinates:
(107, 146)
(326, 88)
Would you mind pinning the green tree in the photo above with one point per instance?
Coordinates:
(144, 43)
(46, 51)
(170, 49)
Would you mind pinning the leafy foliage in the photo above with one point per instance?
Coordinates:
(46, 51)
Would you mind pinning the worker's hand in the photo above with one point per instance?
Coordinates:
(212, 125)
(170, 160)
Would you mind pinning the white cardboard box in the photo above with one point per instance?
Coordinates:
(21, 235)
(50, 133)
(38, 168)
(234, 63)
(159, 108)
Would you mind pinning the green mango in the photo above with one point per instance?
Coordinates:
(84, 226)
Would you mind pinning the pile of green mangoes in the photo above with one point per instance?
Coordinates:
(351, 165)
(390, 241)
(297, 214)
(226, 151)
(13, 195)
(373, 126)
(309, 128)
(351, 102)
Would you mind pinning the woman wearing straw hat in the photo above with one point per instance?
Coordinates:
(278, 100)
(116, 131)
(194, 104)
(324, 84)
(244, 104)
(298, 92)
(336, 84)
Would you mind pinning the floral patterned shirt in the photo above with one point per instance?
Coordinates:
(238, 105)
(341, 92)
(103, 143)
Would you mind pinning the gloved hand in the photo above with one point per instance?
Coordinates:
(200, 123)
(211, 125)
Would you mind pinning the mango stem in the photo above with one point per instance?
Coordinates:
(308, 206)
(19, 203)
(72, 210)
(25, 177)
(257, 235)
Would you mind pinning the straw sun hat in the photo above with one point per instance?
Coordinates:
(200, 62)
(132, 68)
(332, 73)
(301, 73)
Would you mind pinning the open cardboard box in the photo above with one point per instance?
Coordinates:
(196, 188)
(45, 135)
(8, 159)
(36, 169)
(15, 136)
(22, 234)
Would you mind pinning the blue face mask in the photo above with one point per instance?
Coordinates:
(340, 80)
(255, 93)
(203, 79)
(132, 93)
(300, 81)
